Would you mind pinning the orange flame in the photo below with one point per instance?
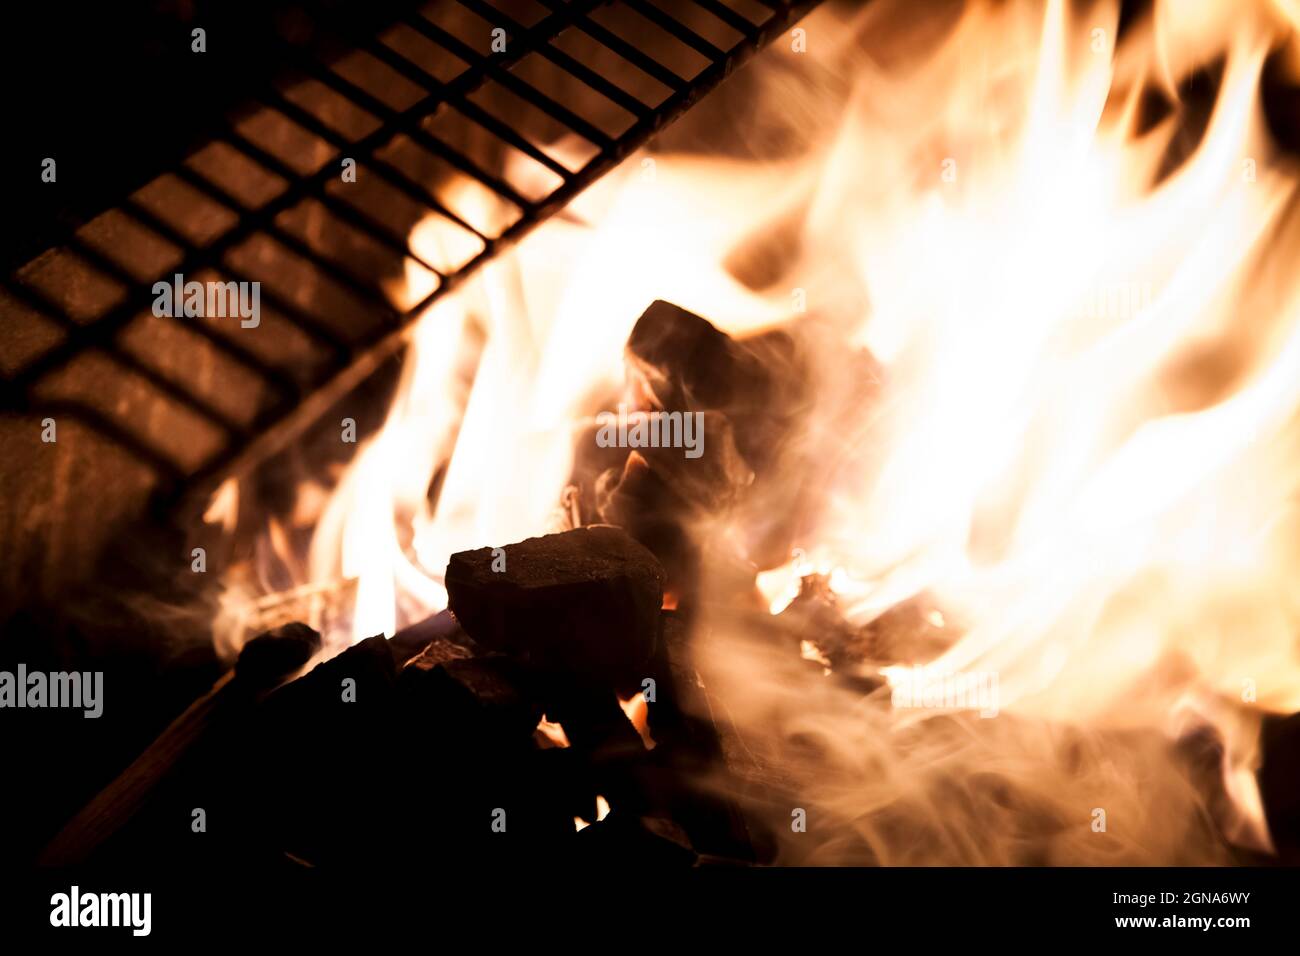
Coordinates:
(1087, 449)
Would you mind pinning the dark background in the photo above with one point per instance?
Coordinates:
(113, 92)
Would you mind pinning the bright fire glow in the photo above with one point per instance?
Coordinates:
(1086, 449)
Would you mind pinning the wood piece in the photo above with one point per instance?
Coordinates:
(491, 697)
(277, 655)
(707, 485)
(659, 495)
(682, 362)
(584, 601)
(667, 501)
(642, 503)
(313, 754)
(439, 638)
(234, 692)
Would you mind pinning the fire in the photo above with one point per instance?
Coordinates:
(1046, 461)
(1086, 446)
(602, 811)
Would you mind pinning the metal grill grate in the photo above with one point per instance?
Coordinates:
(262, 203)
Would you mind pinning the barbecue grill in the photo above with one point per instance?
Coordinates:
(514, 108)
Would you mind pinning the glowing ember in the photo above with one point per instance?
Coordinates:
(602, 811)
(637, 710)
(550, 734)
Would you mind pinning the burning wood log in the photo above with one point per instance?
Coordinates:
(584, 601)
(430, 642)
(669, 502)
(645, 505)
(452, 734)
(705, 486)
(267, 660)
(683, 362)
(788, 428)
(491, 697)
(270, 658)
(317, 748)
(578, 614)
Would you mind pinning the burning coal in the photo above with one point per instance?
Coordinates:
(683, 430)
(1004, 364)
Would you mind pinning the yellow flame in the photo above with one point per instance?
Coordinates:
(1087, 447)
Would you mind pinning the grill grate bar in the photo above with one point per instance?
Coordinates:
(307, 320)
(727, 15)
(37, 300)
(355, 217)
(389, 173)
(466, 106)
(677, 29)
(630, 53)
(594, 80)
(225, 344)
(169, 472)
(337, 270)
(507, 79)
(409, 125)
